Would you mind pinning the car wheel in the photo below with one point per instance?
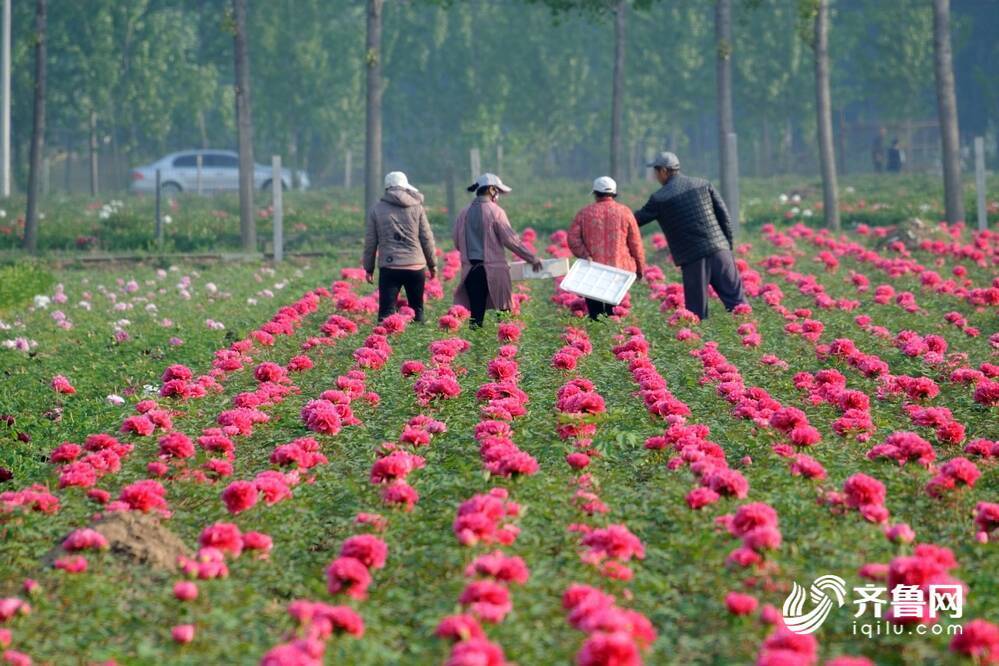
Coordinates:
(170, 190)
(266, 186)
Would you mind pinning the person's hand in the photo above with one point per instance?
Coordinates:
(638, 276)
(433, 272)
(370, 277)
(537, 265)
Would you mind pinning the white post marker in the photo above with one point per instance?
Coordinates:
(5, 103)
(474, 162)
(159, 218)
(733, 182)
(348, 168)
(199, 163)
(277, 215)
(983, 219)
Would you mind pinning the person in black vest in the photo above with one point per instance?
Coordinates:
(696, 224)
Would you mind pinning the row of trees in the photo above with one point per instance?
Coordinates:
(548, 80)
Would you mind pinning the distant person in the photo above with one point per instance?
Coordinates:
(878, 151)
(482, 234)
(696, 225)
(399, 233)
(896, 157)
(606, 232)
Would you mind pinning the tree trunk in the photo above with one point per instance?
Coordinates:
(37, 131)
(66, 182)
(723, 65)
(827, 154)
(842, 142)
(202, 129)
(617, 95)
(766, 149)
(373, 126)
(244, 124)
(94, 187)
(449, 192)
(293, 157)
(947, 111)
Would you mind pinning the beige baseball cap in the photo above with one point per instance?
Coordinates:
(487, 179)
(398, 179)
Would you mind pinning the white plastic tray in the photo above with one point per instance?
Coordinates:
(600, 282)
(551, 268)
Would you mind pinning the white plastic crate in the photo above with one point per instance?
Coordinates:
(600, 282)
(551, 268)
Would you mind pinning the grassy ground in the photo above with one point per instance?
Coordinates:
(125, 612)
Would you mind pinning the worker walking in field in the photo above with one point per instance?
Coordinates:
(482, 234)
(696, 224)
(398, 233)
(606, 232)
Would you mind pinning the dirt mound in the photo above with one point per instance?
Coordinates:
(136, 538)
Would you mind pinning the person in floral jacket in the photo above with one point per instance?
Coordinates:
(606, 232)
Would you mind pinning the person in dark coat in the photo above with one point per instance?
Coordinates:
(696, 224)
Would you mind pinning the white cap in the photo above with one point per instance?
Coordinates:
(605, 185)
(398, 179)
(487, 179)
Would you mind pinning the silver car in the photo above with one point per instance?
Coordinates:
(219, 172)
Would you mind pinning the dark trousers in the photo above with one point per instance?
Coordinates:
(390, 281)
(717, 270)
(477, 288)
(597, 308)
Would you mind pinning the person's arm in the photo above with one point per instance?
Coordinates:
(427, 242)
(576, 243)
(511, 241)
(635, 246)
(370, 243)
(647, 213)
(454, 229)
(721, 214)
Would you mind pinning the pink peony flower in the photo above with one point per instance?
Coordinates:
(185, 590)
(182, 633)
(476, 652)
(72, 564)
(239, 496)
(459, 628)
(61, 385)
(349, 576)
(740, 604)
(366, 548)
(487, 600)
(979, 640)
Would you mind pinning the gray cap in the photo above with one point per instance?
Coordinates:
(666, 160)
(486, 180)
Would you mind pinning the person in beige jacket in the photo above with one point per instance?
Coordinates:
(398, 233)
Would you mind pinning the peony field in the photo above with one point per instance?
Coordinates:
(231, 463)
